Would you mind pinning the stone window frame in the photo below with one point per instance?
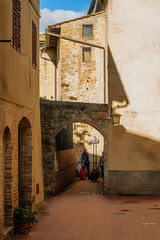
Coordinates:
(16, 25)
(84, 34)
(86, 49)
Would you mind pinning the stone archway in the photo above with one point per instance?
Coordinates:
(55, 116)
(7, 163)
(25, 163)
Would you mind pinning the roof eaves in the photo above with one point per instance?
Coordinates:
(75, 19)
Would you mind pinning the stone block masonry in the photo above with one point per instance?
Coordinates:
(16, 148)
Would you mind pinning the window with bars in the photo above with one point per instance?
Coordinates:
(34, 44)
(16, 34)
(87, 30)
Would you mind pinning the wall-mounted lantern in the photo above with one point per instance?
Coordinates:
(115, 118)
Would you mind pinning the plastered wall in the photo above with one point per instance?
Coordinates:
(133, 80)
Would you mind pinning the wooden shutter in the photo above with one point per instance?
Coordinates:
(16, 35)
(34, 44)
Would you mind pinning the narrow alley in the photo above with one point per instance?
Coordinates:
(81, 212)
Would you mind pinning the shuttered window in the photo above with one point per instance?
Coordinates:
(34, 44)
(16, 35)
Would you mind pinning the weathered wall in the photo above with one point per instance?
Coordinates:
(19, 97)
(48, 74)
(83, 81)
(134, 73)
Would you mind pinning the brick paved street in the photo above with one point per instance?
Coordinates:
(81, 212)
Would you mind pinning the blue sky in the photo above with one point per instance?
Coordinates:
(65, 4)
(54, 11)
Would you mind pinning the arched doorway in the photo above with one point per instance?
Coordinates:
(7, 150)
(25, 163)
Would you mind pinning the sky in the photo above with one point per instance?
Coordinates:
(54, 11)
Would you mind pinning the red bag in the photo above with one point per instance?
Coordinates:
(82, 174)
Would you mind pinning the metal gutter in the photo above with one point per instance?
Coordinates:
(88, 44)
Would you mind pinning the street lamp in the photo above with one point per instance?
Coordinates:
(115, 118)
(94, 141)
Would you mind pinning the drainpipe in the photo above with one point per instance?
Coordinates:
(52, 60)
(89, 44)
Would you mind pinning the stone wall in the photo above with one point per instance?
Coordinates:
(83, 81)
(48, 74)
(11, 116)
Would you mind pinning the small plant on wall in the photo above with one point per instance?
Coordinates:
(23, 220)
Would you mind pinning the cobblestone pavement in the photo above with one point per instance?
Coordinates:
(81, 212)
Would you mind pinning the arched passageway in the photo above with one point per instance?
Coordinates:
(69, 145)
(7, 150)
(57, 115)
(25, 163)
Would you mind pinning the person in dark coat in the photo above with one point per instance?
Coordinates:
(101, 164)
(85, 160)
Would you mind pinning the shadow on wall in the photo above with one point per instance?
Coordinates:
(134, 167)
(116, 90)
(133, 151)
(134, 160)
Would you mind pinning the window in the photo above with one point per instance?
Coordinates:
(16, 34)
(34, 44)
(87, 30)
(86, 54)
(64, 139)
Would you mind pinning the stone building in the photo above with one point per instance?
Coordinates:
(73, 69)
(21, 181)
(132, 90)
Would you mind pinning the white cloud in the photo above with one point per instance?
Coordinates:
(51, 17)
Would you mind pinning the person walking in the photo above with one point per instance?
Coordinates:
(101, 164)
(85, 160)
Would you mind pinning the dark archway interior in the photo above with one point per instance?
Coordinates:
(25, 163)
(8, 211)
